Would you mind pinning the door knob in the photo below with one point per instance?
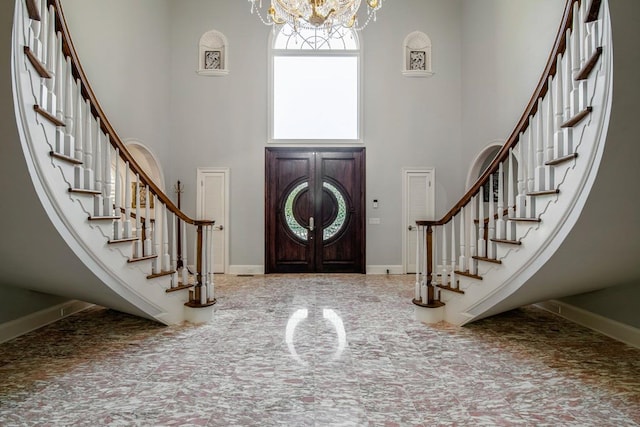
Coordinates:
(410, 227)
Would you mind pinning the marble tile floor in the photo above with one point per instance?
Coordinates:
(317, 350)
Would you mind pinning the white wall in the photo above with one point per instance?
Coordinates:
(506, 44)
(123, 48)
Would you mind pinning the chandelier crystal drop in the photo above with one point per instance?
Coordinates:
(315, 14)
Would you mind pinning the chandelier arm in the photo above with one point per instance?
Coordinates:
(319, 14)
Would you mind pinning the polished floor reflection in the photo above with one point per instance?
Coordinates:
(317, 350)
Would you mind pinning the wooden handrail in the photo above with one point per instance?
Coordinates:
(88, 94)
(541, 90)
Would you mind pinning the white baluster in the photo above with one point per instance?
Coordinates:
(158, 211)
(51, 63)
(482, 247)
(444, 268)
(126, 227)
(174, 251)
(34, 34)
(453, 282)
(137, 247)
(147, 222)
(521, 197)
(78, 170)
(185, 271)
(462, 260)
(567, 76)
(59, 91)
(501, 226)
(511, 203)
(491, 232)
(106, 192)
(549, 176)
(88, 149)
(69, 138)
(582, 33)
(98, 165)
(473, 238)
(559, 110)
(539, 143)
(166, 258)
(531, 201)
(580, 86)
(117, 200)
(567, 85)
(44, 57)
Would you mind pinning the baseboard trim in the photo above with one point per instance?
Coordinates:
(246, 269)
(23, 325)
(611, 328)
(385, 269)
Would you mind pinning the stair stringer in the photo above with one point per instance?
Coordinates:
(112, 281)
(559, 213)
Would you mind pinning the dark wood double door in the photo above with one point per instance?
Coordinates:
(314, 210)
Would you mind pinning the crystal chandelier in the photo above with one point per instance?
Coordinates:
(315, 14)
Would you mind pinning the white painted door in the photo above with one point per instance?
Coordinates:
(212, 203)
(419, 204)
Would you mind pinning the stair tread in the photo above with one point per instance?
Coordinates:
(65, 158)
(47, 115)
(37, 65)
(449, 288)
(481, 258)
(509, 242)
(594, 11)
(84, 191)
(144, 258)
(467, 274)
(577, 118)
(32, 10)
(584, 73)
(161, 274)
(543, 192)
(525, 219)
(103, 218)
(180, 287)
(126, 240)
(562, 159)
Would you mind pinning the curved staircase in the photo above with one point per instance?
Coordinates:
(548, 226)
(88, 223)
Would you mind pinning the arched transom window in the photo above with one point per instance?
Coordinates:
(315, 86)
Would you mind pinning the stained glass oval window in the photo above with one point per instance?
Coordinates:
(296, 228)
(332, 229)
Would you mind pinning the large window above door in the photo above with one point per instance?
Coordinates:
(315, 86)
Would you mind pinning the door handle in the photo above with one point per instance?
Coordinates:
(311, 223)
(411, 228)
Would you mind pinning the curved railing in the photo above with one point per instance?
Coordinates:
(86, 138)
(558, 102)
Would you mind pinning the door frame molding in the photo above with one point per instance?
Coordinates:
(406, 171)
(226, 172)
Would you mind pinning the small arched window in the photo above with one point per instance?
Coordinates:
(315, 86)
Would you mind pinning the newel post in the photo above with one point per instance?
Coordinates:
(200, 295)
(428, 295)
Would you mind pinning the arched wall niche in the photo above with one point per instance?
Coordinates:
(147, 161)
